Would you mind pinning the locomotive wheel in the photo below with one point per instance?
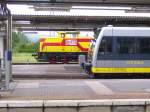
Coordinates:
(53, 60)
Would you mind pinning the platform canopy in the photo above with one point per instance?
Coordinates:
(74, 22)
(83, 2)
(78, 14)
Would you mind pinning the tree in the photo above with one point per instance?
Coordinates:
(20, 43)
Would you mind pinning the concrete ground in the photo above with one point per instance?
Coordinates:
(78, 89)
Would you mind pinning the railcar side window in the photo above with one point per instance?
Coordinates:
(105, 46)
(126, 45)
(136, 45)
(144, 45)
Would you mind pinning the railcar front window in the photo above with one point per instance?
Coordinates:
(105, 46)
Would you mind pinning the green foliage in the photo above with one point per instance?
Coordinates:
(23, 58)
(36, 46)
(20, 43)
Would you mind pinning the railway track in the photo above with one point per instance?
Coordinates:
(48, 71)
(63, 71)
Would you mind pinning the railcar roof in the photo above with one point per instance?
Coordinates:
(126, 31)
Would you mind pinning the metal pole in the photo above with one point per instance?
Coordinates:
(8, 53)
(10, 44)
(7, 64)
(7, 58)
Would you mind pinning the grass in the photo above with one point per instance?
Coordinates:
(23, 58)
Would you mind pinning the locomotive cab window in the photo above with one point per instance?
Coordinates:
(105, 46)
(63, 35)
(72, 35)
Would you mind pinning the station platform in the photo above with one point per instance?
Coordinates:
(78, 89)
(62, 88)
(77, 95)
